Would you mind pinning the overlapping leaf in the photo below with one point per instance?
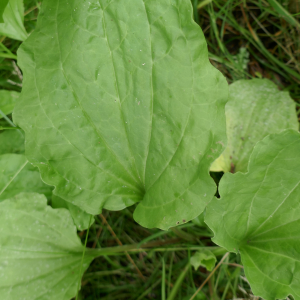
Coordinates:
(7, 101)
(259, 215)
(12, 141)
(17, 175)
(3, 5)
(255, 109)
(13, 17)
(81, 219)
(40, 253)
(120, 104)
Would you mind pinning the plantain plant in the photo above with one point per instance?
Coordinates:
(120, 106)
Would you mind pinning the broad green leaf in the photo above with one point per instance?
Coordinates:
(255, 109)
(203, 258)
(120, 104)
(16, 176)
(13, 17)
(8, 100)
(12, 141)
(40, 253)
(81, 219)
(259, 216)
(3, 4)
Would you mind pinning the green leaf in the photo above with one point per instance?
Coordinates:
(40, 253)
(13, 17)
(259, 215)
(12, 141)
(81, 219)
(255, 109)
(204, 258)
(8, 100)
(3, 4)
(121, 104)
(16, 176)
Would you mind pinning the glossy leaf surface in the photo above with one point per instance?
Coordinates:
(255, 109)
(16, 176)
(121, 104)
(259, 215)
(40, 252)
(7, 101)
(13, 17)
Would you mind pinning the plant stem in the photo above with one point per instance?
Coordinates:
(7, 119)
(163, 280)
(152, 246)
(178, 282)
(83, 253)
(7, 55)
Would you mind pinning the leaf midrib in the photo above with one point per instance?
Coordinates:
(186, 124)
(152, 94)
(87, 118)
(118, 92)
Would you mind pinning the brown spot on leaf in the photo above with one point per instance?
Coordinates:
(232, 168)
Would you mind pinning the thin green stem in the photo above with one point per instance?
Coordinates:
(7, 55)
(83, 253)
(163, 280)
(170, 273)
(120, 250)
(149, 290)
(178, 282)
(203, 3)
(7, 119)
